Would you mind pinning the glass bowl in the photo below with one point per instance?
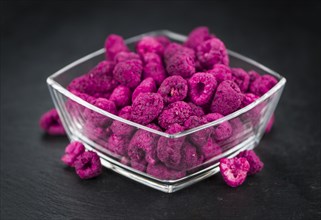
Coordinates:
(248, 125)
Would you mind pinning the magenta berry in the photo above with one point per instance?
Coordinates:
(121, 96)
(155, 71)
(163, 40)
(122, 129)
(221, 73)
(97, 118)
(262, 84)
(198, 138)
(88, 165)
(256, 165)
(181, 64)
(124, 55)
(223, 130)
(197, 110)
(201, 88)
(210, 149)
(151, 58)
(72, 151)
(149, 45)
(51, 124)
(147, 85)
(241, 78)
(197, 36)
(117, 144)
(164, 173)
(113, 45)
(173, 88)
(253, 75)
(128, 73)
(234, 170)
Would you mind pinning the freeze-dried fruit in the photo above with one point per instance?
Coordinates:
(234, 170)
(256, 165)
(142, 146)
(121, 96)
(162, 172)
(147, 85)
(155, 71)
(201, 88)
(197, 36)
(120, 128)
(270, 124)
(241, 78)
(249, 98)
(172, 49)
(128, 73)
(177, 112)
(139, 165)
(117, 144)
(151, 58)
(190, 157)
(210, 149)
(227, 99)
(97, 118)
(223, 130)
(146, 107)
(173, 88)
(88, 165)
(113, 45)
(124, 55)
(253, 75)
(212, 52)
(221, 73)
(197, 110)
(181, 64)
(163, 40)
(51, 123)
(72, 151)
(94, 132)
(149, 45)
(262, 84)
(198, 138)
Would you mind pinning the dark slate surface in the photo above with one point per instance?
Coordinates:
(37, 39)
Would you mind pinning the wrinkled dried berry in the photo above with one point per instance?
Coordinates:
(223, 130)
(164, 173)
(241, 78)
(173, 88)
(149, 45)
(128, 73)
(151, 58)
(88, 165)
(51, 123)
(221, 73)
(113, 45)
(147, 85)
(117, 144)
(197, 110)
(163, 40)
(123, 56)
(256, 165)
(234, 170)
(199, 138)
(155, 71)
(197, 36)
(210, 149)
(262, 84)
(123, 129)
(181, 64)
(72, 151)
(97, 118)
(121, 96)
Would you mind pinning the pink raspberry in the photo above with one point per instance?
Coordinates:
(162, 172)
(122, 129)
(190, 157)
(210, 149)
(51, 124)
(253, 75)
(241, 78)
(172, 49)
(201, 88)
(234, 170)
(113, 45)
(169, 149)
(197, 110)
(121, 96)
(146, 107)
(142, 146)
(83, 96)
(72, 151)
(94, 131)
(222, 131)
(270, 124)
(147, 85)
(155, 71)
(139, 165)
(198, 138)
(197, 36)
(117, 144)
(88, 165)
(124, 55)
(262, 84)
(97, 118)
(212, 52)
(177, 112)
(256, 165)
(149, 45)
(182, 64)
(128, 73)
(163, 40)
(173, 88)
(227, 99)
(151, 58)
(248, 99)
(221, 73)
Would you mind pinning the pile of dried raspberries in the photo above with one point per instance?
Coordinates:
(169, 87)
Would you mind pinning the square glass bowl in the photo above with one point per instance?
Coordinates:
(248, 125)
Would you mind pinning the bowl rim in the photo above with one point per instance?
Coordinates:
(178, 37)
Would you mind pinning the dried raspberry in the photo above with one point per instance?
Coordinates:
(227, 99)
(122, 129)
(177, 112)
(121, 96)
(163, 40)
(248, 99)
(83, 96)
(149, 45)
(117, 144)
(142, 146)
(97, 118)
(169, 149)
(113, 45)
(262, 84)
(156, 71)
(123, 56)
(201, 88)
(221, 73)
(197, 110)
(147, 85)
(128, 73)
(139, 165)
(256, 165)
(94, 131)
(181, 64)
(146, 107)
(51, 124)
(241, 78)
(151, 58)
(173, 88)
(88, 165)
(212, 52)
(270, 124)
(72, 151)
(197, 36)
(171, 49)
(162, 172)
(199, 138)
(253, 75)
(234, 170)
(223, 130)
(190, 157)
(210, 149)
